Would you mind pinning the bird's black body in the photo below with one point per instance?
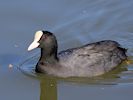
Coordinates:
(86, 61)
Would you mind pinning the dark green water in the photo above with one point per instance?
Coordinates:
(74, 23)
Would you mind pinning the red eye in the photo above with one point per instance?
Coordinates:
(44, 37)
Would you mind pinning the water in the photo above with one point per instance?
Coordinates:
(74, 23)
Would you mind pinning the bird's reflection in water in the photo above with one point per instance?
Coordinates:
(48, 89)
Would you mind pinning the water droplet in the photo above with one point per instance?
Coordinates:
(10, 66)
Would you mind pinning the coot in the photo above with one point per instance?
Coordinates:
(86, 61)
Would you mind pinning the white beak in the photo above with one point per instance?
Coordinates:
(33, 45)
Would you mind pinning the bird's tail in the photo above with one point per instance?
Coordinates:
(123, 53)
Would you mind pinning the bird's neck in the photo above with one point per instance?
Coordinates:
(46, 59)
(48, 56)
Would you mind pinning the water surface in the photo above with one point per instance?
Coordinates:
(74, 23)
